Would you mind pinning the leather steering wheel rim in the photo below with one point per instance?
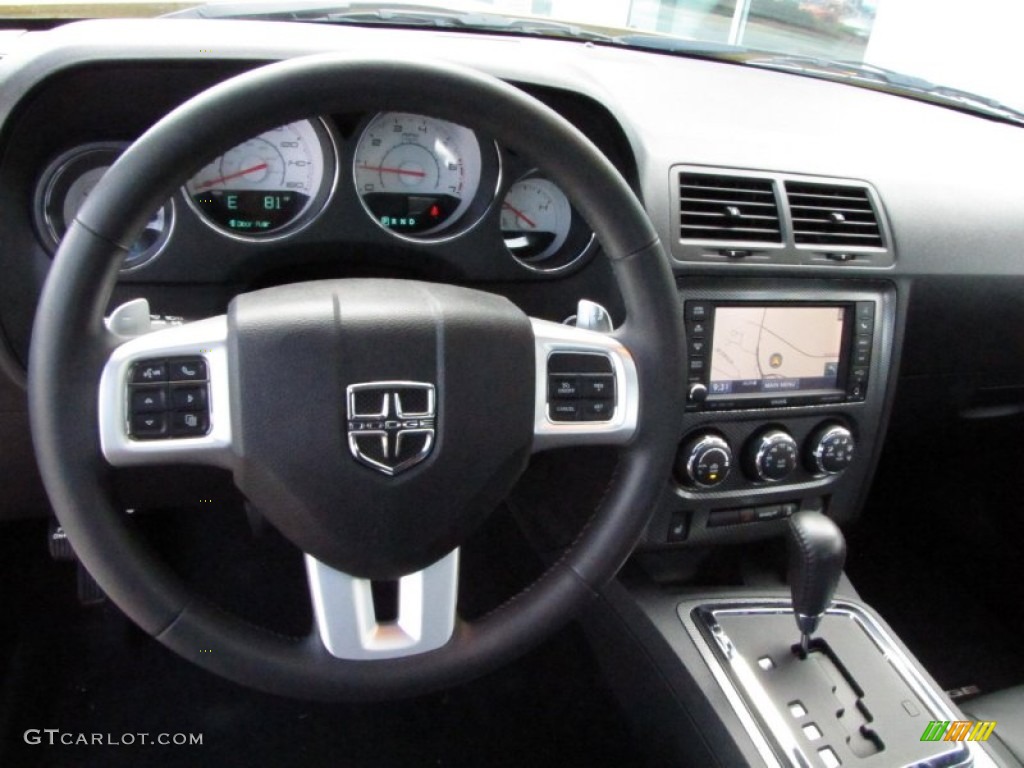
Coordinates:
(69, 336)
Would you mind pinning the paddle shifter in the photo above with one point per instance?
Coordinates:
(817, 551)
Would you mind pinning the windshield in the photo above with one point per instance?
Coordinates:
(958, 45)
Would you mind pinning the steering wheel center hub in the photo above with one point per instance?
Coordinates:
(379, 421)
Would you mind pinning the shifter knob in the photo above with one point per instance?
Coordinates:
(817, 551)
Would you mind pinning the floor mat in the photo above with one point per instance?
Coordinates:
(89, 672)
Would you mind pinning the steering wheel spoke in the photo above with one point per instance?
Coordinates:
(587, 391)
(349, 624)
(164, 397)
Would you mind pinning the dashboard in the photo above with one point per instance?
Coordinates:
(784, 202)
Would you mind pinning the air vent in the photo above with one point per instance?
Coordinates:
(829, 214)
(730, 208)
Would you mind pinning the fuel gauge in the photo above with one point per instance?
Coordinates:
(64, 187)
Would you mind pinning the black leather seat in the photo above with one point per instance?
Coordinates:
(1006, 707)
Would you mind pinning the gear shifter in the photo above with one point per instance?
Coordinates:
(817, 551)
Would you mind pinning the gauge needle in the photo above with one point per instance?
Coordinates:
(230, 176)
(520, 215)
(400, 171)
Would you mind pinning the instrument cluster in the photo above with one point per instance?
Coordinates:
(418, 178)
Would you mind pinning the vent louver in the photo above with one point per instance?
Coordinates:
(727, 208)
(829, 214)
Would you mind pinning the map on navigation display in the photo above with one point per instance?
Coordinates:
(775, 349)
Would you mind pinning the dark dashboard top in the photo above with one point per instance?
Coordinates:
(941, 180)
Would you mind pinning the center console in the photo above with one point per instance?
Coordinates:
(786, 392)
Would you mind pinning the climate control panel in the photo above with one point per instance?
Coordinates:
(769, 455)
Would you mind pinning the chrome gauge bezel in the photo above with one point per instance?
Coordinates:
(53, 175)
(579, 244)
(481, 201)
(328, 144)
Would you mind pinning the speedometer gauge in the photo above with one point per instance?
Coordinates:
(416, 175)
(269, 185)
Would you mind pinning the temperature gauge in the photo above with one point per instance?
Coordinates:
(535, 219)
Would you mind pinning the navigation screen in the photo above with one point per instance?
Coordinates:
(769, 350)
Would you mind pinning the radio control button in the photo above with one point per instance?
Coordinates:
(697, 310)
(698, 393)
(696, 330)
(696, 364)
(865, 310)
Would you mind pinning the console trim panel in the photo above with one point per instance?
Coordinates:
(727, 666)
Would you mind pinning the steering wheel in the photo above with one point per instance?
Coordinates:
(308, 386)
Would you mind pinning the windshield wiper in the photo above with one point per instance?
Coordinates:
(871, 76)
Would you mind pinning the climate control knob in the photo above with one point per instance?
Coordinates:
(772, 456)
(830, 450)
(704, 461)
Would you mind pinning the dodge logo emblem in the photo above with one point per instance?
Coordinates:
(391, 424)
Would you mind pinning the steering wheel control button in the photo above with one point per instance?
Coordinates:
(187, 369)
(149, 425)
(578, 363)
(705, 461)
(600, 386)
(189, 398)
(831, 450)
(581, 387)
(568, 410)
(772, 456)
(149, 372)
(169, 410)
(597, 410)
(149, 400)
(189, 424)
(564, 387)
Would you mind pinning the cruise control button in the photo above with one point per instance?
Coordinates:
(597, 410)
(148, 399)
(189, 398)
(564, 387)
(190, 424)
(149, 425)
(149, 372)
(566, 410)
(187, 370)
(598, 387)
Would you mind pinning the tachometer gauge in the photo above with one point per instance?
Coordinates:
(268, 186)
(535, 219)
(416, 175)
(67, 182)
